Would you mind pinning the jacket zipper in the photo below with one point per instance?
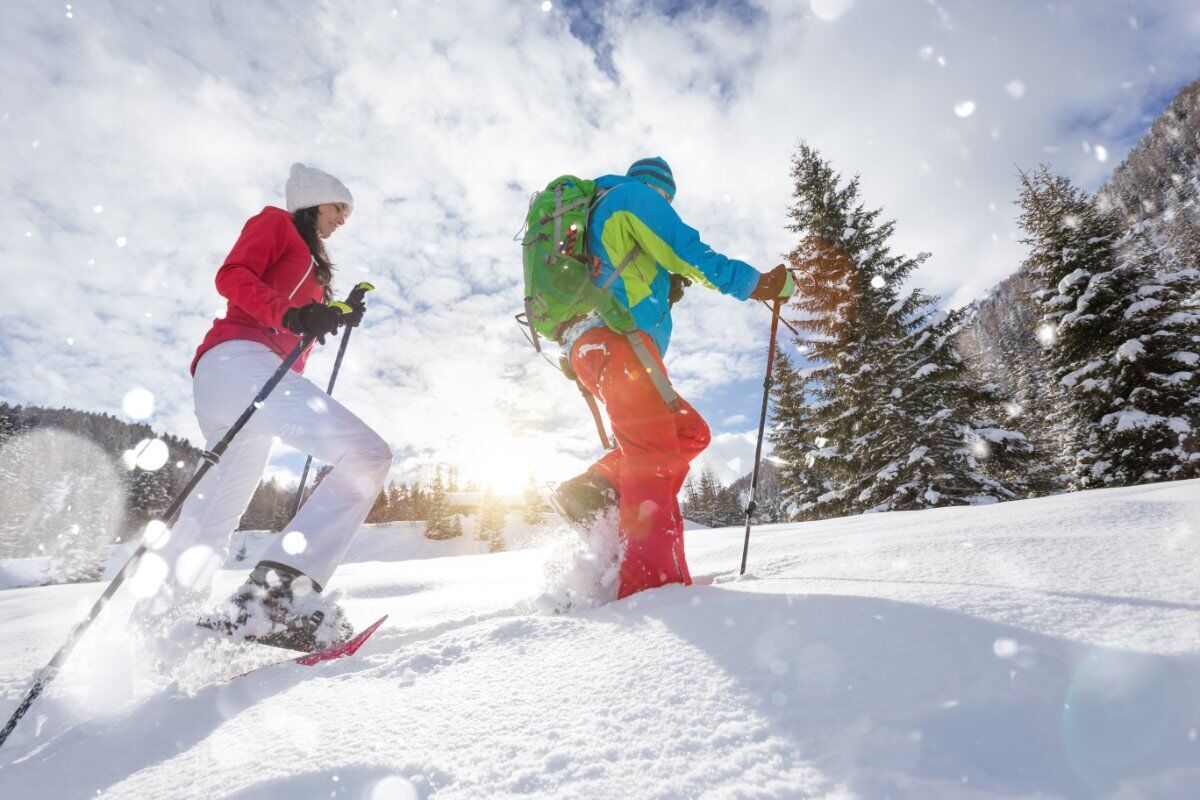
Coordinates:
(312, 262)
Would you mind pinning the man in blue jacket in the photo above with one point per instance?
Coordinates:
(645, 250)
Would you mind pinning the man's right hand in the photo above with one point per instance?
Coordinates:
(777, 283)
(315, 319)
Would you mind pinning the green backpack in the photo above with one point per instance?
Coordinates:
(558, 269)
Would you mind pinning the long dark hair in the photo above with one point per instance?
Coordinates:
(306, 222)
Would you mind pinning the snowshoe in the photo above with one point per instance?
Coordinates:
(583, 499)
(279, 606)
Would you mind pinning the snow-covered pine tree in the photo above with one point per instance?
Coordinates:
(1151, 428)
(1069, 242)
(489, 525)
(962, 449)
(1001, 350)
(890, 417)
(1121, 337)
(794, 441)
(706, 512)
(149, 495)
(691, 498)
(730, 507)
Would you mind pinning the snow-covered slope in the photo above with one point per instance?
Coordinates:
(1047, 648)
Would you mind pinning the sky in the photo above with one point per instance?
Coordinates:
(138, 137)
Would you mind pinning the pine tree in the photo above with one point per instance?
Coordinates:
(729, 507)
(706, 511)
(381, 510)
(281, 504)
(532, 509)
(489, 525)
(418, 503)
(1069, 242)
(691, 499)
(966, 454)
(1149, 429)
(1121, 337)
(399, 501)
(794, 440)
(893, 416)
(438, 523)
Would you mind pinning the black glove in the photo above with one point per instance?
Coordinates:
(354, 318)
(678, 284)
(776, 284)
(315, 319)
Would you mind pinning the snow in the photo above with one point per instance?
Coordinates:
(998, 435)
(1131, 419)
(1072, 378)
(1131, 350)
(1141, 306)
(925, 371)
(1070, 280)
(981, 652)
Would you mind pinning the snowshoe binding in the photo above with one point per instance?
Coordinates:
(583, 500)
(281, 607)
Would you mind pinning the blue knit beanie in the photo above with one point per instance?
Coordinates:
(654, 172)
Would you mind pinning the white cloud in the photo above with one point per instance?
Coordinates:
(178, 121)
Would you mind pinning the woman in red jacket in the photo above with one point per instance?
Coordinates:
(277, 280)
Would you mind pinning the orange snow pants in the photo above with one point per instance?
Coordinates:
(649, 465)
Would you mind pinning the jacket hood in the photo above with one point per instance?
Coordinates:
(609, 181)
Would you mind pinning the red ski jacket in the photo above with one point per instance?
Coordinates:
(269, 270)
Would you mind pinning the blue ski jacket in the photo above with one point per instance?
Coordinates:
(632, 213)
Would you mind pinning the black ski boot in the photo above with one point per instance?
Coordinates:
(583, 499)
(281, 607)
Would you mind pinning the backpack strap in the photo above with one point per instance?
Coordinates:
(558, 212)
(625, 262)
(664, 387)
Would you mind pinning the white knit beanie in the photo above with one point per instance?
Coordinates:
(309, 186)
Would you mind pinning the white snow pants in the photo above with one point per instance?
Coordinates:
(300, 415)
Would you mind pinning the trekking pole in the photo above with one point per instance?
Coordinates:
(752, 503)
(210, 459)
(356, 296)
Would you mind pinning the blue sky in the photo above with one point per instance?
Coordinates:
(139, 136)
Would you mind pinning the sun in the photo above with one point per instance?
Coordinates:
(505, 463)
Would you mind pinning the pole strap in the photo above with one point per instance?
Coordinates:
(657, 376)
